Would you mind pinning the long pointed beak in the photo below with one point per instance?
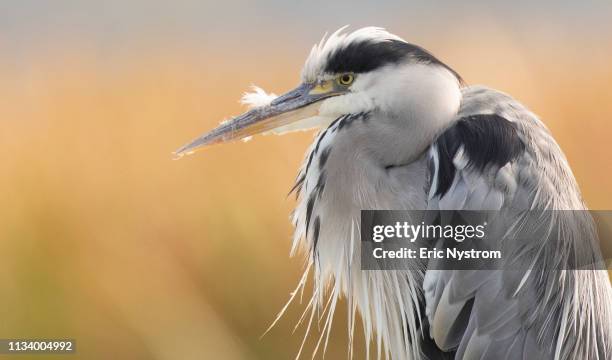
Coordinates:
(300, 103)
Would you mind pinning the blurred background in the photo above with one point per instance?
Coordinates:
(107, 240)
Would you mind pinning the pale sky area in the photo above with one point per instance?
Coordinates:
(113, 25)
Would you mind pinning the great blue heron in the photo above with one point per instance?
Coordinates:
(400, 130)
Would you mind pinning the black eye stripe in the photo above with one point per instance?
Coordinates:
(364, 56)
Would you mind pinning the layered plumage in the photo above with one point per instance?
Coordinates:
(401, 131)
(491, 153)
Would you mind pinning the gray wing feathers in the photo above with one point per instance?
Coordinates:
(537, 314)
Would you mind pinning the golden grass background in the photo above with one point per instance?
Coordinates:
(105, 239)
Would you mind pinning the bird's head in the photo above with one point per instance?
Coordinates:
(366, 71)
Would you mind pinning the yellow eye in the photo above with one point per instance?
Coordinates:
(346, 79)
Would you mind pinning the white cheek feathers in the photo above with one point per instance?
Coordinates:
(420, 91)
(412, 92)
(350, 103)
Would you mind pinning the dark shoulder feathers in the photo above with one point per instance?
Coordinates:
(487, 139)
